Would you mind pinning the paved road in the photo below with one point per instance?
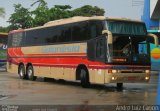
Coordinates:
(24, 92)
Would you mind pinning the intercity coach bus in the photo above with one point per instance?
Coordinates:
(89, 49)
(3, 49)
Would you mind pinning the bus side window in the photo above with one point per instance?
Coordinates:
(39, 36)
(65, 34)
(96, 28)
(17, 39)
(30, 38)
(52, 35)
(93, 31)
(80, 31)
(10, 40)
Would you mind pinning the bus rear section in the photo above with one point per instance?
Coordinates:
(89, 49)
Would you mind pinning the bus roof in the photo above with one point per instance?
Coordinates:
(81, 18)
(3, 34)
(16, 31)
(78, 19)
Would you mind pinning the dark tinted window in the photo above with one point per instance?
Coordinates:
(80, 31)
(9, 40)
(16, 39)
(58, 34)
(48, 35)
(65, 34)
(35, 37)
(53, 34)
(31, 37)
(96, 28)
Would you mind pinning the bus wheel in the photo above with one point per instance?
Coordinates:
(119, 85)
(84, 78)
(30, 73)
(21, 72)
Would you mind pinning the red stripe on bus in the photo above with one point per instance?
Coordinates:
(89, 66)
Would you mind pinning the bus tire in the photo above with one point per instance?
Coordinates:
(119, 85)
(21, 72)
(30, 73)
(84, 77)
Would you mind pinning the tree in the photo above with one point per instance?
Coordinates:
(41, 13)
(21, 18)
(60, 12)
(4, 29)
(88, 10)
(41, 3)
(2, 12)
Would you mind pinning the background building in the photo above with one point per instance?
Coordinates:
(151, 16)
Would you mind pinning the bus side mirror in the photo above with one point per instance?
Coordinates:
(155, 39)
(109, 35)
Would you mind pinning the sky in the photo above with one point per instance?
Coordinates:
(113, 8)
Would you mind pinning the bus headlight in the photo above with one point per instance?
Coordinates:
(112, 71)
(147, 71)
(113, 78)
(146, 78)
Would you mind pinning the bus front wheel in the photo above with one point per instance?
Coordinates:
(30, 73)
(21, 72)
(84, 78)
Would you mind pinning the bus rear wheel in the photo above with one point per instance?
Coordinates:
(84, 78)
(30, 73)
(21, 72)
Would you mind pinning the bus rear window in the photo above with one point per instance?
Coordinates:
(15, 40)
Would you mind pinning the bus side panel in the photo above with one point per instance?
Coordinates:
(69, 74)
(42, 71)
(12, 68)
(55, 72)
(97, 76)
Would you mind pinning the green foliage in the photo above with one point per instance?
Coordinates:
(23, 18)
(60, 12)
(41, 13)
(41, 3)
(88, 10)
(2, 12)
(41, 16)
(4, 29)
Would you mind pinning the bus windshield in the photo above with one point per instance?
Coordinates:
(126, 28)
(130, 49)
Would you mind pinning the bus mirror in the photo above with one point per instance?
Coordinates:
(155, 39)
(109, 34)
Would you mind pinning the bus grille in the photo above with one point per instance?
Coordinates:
(130, 71)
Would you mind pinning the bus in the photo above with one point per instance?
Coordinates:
(3, 49)
(92, 50)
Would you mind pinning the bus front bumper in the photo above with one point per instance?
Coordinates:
(127, 78)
